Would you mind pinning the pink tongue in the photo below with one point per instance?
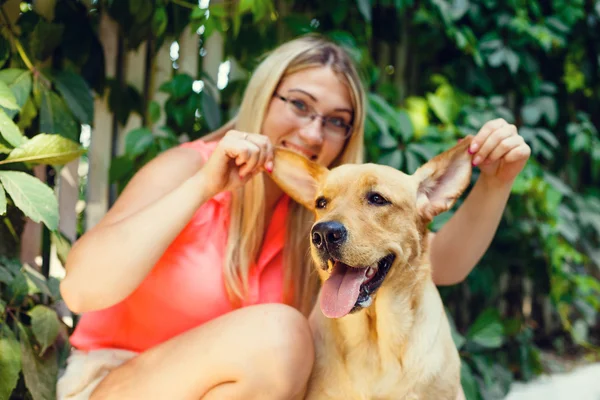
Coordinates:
(341, 290)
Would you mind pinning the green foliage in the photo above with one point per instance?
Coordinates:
(41, 112)
(435, 71)
(33, 341)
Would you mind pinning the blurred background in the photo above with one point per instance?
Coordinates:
(92, 90)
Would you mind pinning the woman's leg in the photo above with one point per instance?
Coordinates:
(258, 352)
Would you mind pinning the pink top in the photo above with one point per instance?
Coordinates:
(186, 288)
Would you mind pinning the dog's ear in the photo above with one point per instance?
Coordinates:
(443, 179)
(297, 176)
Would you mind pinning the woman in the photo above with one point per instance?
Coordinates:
(197, 282)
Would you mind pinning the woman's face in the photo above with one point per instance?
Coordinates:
(305, 93)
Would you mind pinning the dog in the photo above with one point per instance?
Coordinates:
(380, 330)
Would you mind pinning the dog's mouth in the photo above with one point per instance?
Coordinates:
(349, 289)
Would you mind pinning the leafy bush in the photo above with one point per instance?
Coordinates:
(33, 341)
(435, 71)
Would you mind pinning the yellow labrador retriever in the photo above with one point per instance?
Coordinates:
(381, 332)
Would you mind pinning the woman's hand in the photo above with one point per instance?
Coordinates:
(236, 159)
(499, 151)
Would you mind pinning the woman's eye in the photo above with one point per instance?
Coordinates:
(377, 199)
(337, 122)
(299, 105)
(321, 203)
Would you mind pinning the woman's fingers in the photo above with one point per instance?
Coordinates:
(493, 141)
(503, 148)
(251, 152)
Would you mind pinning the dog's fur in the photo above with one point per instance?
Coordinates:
(397, 344)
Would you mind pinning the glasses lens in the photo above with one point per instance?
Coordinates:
(335, 127)
(299, 108)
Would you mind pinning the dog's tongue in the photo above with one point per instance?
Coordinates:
(341, 290)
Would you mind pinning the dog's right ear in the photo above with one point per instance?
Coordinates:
(443, 179)
(297, 176)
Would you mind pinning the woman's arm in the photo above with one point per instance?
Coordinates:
(501, 154)
(108, 262)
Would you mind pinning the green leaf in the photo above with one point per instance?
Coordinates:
(531, 113)
(10, 363)
(548, 137)
(497, 57)
(138, 141)
(548, 106)
(7, 98)
(364, 6)
(45, 39)
(45, 149)
(487, 330)
(32, 197)
(76, 93)
(468, 382)
(244, 6)
(405, 125)
(179, 87)
(10, 131)
(2, 201)
(36, 281)
(5, 275)
(40, 373)
(120, 168)
(20, 82)
(441, 107)
(412, 162)
(55, 117)
(45, 326)
(154, 112)
(386, 140)
(393, 159)
(159, 21)
(4, 149)
(18, 289)
(512, 60)
(210, 110)
(459, 9)
(54, 287)
(27, 115)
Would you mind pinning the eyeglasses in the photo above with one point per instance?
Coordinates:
(334, 127)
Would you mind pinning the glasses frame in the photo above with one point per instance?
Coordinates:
(312, 115)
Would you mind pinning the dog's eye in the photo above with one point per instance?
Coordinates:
(376, 199)
(321, 202)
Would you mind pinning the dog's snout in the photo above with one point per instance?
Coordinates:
(329, 232)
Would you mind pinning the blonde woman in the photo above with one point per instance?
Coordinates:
(197, 283)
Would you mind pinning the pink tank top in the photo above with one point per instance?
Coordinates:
(186, 288)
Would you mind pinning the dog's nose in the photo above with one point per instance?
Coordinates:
(328, 232)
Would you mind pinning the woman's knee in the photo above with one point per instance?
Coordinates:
(287, 348)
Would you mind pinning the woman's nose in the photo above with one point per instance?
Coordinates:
(312, 132)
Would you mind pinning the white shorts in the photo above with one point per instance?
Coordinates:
(86, 369)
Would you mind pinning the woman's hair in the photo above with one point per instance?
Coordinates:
(247, 223)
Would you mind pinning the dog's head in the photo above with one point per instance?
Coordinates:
(371, 220)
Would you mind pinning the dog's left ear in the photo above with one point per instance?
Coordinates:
(443, 179)
(297, 176)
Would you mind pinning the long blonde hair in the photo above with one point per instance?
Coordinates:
(247, 228)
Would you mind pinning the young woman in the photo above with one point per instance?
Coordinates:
(197, 283)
